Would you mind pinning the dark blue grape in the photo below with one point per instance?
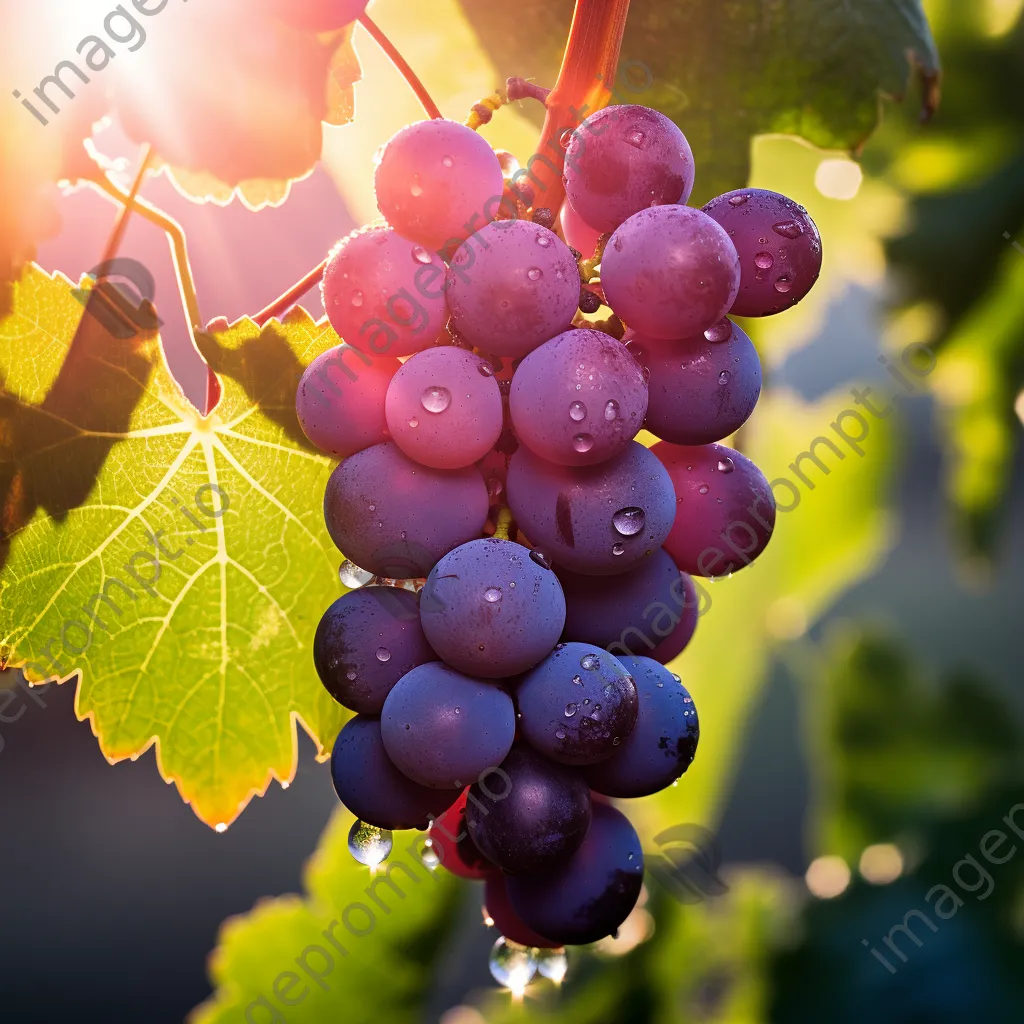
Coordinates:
(506, 920)
(372, 788)
(540, 822)
(661, 746)
(577, 705)
(592, 893)
(365, 642)
(443, 729)
(489, 610)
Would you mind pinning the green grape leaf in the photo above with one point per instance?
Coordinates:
(727, 71)
(358, 948)
(175, 564)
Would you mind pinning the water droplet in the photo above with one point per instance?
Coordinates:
(783, 285)
(577, 411)
(458, 711)
(428, 855)
(559, 734)
(512, 965)
(629, 521)
(566, 137)
(788, 229)
(486, 370)
(543, 239)
(722, 331)
(420, 255)
(436, 399)
(373, 508)
(636, 138)
(535, 273)
(383, 654)
(351, 674)
(618, 549)
(357, 298)
(724, 377)
(590, 662)
(764, 261)
(726, 465)
(571, 709)
(737, 200)
(703, 489)
(552, 964)
(541, 559)
(416, 188)
(352, 576)
(763, 241)
(447, 161)
(414, 422)
(611, 410)
(583, 443)
(368, 844)
(492, 595)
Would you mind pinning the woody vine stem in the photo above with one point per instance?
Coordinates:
(583, 86)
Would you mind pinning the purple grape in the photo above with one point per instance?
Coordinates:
(650, 610)
(383, 294)
(506, 920)
(542, 820)
(592, 893)
(437, 182)
(625, 159)
(577, 705)
(444, 408)
(670, 272)
(396, 518)
(779, 248)
(661, 746)
(579, 399)
(726, 510)
(340, 400)
(595, 520)
(511, 287)
(578, 233)
(372, 788)
(443, 729)
(700, 391)
(490, 610)
(365, 642)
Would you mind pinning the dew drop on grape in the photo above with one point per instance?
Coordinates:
(571, 709)
(436, 399)
(726, 465)
(583, 443)
(577, 411)
(541, 559)
(764, 261)
(352, 576)
(629, 521)
(492, 595)
(590, 662)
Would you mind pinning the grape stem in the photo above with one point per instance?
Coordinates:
(401, 64)
(583, 87)
(284, 302)
(121, 224)
(503, 526)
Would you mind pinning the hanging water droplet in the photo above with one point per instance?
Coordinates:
(383, 654)
(512, 965)
(416, 188)
(420, 255)
(629, 521)
(566, 137)
(737, 200)
(724, 377)
(486, 370)
(590, 662)
(428, 855)
(788, 229)
(492, 595)
(436, 399)
(636, 138)
(783, 285)
(368, 844)
(618, 549)
(722, 331)
(703, 489)
(611, 410)
(535, 273)
(414, 422)
(352, 576)
(764, 261)
(726, 465)
(571, 709)
(583, 443)
(541, 559)
(447, 161)
(357, 298)
(577, 411)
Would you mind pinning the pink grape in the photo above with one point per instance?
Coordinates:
(670, 272)
(437, 182)
(579, 399)
(625, 159)
(511, 287)
(384, 294)
(779, 248)
(577, 232)
(444, 408)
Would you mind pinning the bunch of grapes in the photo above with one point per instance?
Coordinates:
(522, 566)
